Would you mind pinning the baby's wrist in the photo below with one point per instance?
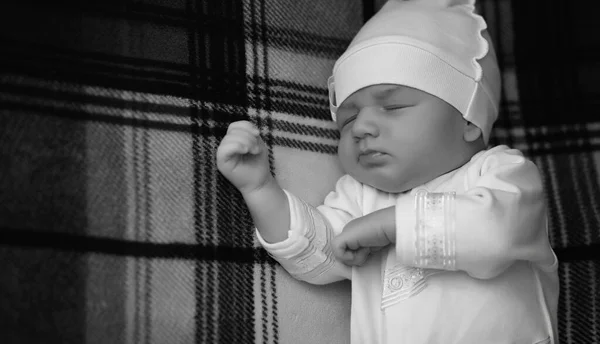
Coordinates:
(267, 185)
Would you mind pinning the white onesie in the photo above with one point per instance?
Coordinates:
(472, 262)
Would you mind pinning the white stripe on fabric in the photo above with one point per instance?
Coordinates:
(561, 224)
(578, 192)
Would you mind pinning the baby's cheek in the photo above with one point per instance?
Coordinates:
(345, 148)
(345, 154)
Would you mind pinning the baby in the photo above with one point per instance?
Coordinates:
(444, 240)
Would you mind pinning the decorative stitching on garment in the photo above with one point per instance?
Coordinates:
(435, 231)
(545, 341)
(317, 258)
(402, 282)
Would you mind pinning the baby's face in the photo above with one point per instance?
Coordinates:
(395, 138)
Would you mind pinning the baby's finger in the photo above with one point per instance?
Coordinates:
(257, 143)
(245, 126)
(253, 143)
(353, 258)
(231, 148)
(251, 136)
(360, 256)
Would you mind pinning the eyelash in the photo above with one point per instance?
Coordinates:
(352, 118)
(394, 107)
(386, 108)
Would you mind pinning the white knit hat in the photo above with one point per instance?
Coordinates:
(437, 46)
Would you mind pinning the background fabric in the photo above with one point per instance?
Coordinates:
(115, 226)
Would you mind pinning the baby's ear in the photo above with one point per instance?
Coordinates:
(471, 132)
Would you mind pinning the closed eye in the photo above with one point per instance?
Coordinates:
(395, 107)
(348, 120)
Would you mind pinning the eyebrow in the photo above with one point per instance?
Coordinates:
(380, 95)
(385, 93)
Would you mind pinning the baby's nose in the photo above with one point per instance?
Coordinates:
(365, 124)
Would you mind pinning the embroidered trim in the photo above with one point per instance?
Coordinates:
(403, 282)
(317, 258)
(435, 231)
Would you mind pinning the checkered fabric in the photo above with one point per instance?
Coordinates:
(116, 227)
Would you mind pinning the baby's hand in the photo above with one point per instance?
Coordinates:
(242, 157)
(364, 235)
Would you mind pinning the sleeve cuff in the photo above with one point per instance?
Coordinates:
(296, 241)
(425, 230)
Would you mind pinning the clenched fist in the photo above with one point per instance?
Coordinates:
(242, 157)
(364, 235)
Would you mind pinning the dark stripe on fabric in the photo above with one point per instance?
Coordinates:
(293, 100)
(148, 235)
(120, 72)
(497, 42)
(63, 242)
(368, 9)
(265, 40)
(304, 43)
(138, 322)
(298, 88)
(136, 11)
(551, 76)
(256, 100)
(43, 184)
(290, 39)
(235, 229)
(555, 223)
(569, 190)
(42, 293)
(306, 130)
(590, 195)
(112, 101)
(204, 286)
(17, 48)
(79, 116)
(264, 303)
(538, 146)
(27, 238)
(563, 148)
(274, 317)
(578, 304)
(229, 313)
(69, 105)
(551, 142)
(580, 174)
(307, 146)
(295, 97)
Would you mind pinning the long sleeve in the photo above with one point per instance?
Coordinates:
(500, 219)
(306, 254)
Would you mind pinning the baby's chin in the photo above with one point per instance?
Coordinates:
(389, 186)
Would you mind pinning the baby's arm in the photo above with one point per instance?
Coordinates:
(501, 219)
(242, 157)
(295, 233)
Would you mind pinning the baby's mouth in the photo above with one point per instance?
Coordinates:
(370, 152)
(370, 157)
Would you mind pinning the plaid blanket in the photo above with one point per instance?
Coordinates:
(115, 226)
